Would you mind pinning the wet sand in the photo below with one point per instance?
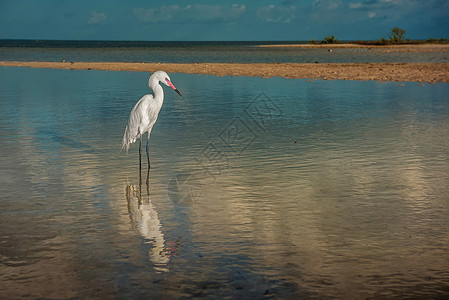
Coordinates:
(398, 72)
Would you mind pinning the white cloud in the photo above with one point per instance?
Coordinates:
(154, 15)
(326, 4)
(96, 17)
(205, 13)
(355, 5)
(386, 4)
(238, 8)
(277, 14)
(371, 14)
(196, 12)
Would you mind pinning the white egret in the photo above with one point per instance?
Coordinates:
(144, 114)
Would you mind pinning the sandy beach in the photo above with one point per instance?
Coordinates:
(398, 72)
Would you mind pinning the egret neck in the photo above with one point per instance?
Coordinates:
(158, 91)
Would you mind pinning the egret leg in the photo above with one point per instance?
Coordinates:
(148, 155)
(148, 172)
(148, 181)
(140, 162)
(140, 156)
(148, 159)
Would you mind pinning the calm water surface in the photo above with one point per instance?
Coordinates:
(259, 188)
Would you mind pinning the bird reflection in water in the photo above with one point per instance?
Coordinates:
(145, 221)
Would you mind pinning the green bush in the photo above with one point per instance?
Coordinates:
(397, 35)
(330, 40)
(435, 41)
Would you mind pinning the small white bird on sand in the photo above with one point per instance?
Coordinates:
(144, 114)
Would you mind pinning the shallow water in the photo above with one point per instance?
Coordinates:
(275, 188)
(224, 53)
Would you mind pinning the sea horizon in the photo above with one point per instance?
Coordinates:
(132, 43)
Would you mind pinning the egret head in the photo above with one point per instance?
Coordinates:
(165, 79)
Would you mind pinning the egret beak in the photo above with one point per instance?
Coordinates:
(179, 93)
(172, 86)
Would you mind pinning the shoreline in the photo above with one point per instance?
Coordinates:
(396, 72)
(426, 47)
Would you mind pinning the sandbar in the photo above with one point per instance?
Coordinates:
(397, 72)
(425, 47)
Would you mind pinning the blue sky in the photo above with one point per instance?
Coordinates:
(221, 20)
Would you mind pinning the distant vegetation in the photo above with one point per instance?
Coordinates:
(396, 37)
(330, 40)
(436, 41)
(326, 40)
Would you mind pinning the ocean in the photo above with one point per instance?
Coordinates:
(201, 52)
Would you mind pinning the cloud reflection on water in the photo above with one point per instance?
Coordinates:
(145, 221)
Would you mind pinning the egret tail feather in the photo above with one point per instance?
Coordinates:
(127, 140)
